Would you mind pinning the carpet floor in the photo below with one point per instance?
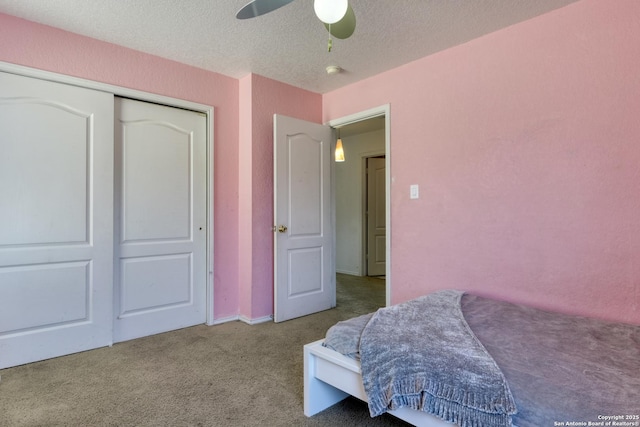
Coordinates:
(231, 374)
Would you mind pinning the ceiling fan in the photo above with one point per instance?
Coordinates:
(337, 15)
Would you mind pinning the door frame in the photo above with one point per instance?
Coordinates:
(157, 99)
(382, 110)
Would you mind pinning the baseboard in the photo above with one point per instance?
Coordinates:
(350, 273)
(257, 320)
(224, 320)
(244, 319)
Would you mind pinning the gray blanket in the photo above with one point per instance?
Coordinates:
(344, 337)
(432, 363)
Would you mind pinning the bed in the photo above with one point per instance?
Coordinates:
(453, 358)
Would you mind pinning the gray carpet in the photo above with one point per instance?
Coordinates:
(226, 375)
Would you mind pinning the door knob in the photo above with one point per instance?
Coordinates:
(282, 228)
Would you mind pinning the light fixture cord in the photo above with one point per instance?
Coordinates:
(330, 43)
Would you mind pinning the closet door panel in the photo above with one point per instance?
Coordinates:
(161, 214)
(33, 185)
(56, 219)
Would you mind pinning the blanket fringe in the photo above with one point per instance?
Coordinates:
(446, 407)
(447, 392)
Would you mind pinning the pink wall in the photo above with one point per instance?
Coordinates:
(38, 46)
(525, 144)
(243, 282)
(265, 98)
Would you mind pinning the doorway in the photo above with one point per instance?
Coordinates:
(310, 141)
(364, 136)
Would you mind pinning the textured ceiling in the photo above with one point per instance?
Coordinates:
(289, 44)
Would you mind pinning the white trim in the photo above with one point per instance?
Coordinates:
(257, 320)
(158, 99)
(225, 320)
(350, 273)
(358, 117)
(210, 218)
(104, 87)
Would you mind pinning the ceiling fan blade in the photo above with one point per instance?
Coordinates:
(260, 7)
(345, 27)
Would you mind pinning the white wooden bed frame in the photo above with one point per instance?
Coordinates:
(330, 377)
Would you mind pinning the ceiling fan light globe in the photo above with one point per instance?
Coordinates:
(344, 28)
(330, 11)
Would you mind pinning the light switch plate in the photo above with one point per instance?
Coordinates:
(414, 191)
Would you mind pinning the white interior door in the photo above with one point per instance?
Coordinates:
(161, 219)
(376, 217)
(56, 219)
(304, 281)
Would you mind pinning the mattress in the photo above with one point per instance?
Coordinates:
(562, 370)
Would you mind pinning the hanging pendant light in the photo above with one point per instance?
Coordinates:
(330, 11)
(339, 151)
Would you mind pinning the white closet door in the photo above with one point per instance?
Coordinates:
(56, 219)
(161, 210)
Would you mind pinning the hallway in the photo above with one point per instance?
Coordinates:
(360, 294)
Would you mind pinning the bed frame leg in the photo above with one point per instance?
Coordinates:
(318, 395)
